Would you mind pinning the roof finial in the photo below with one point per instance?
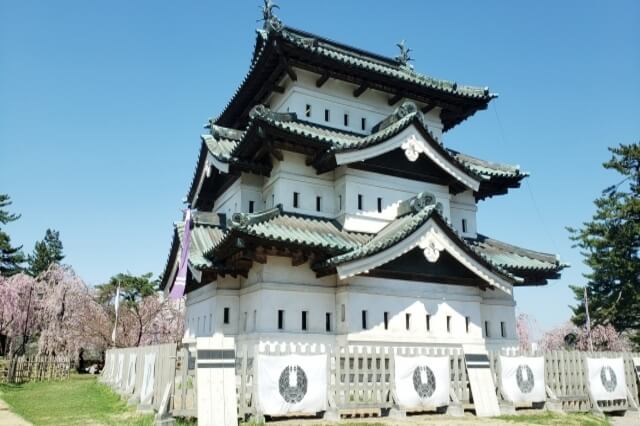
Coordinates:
(271, 21)
(403, 58)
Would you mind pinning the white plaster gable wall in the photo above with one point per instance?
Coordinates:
(463, 206)
(200, 312)
(337, 97)
(236, 198)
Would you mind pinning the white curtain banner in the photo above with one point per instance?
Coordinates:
(636, 366)
(522, 378)
(131, 374)
(146, 392)
(292, 384)
(120, 370)
(606, 378)
(422, 381)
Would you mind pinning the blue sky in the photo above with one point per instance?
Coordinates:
(102, 105)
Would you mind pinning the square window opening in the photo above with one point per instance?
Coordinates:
(464, 225)
(407, 321)
(467, 321)
(280, 319)
(327, 116)
(327, 321)
(486, 329)
(363, 123)
(226, 315)
(296, 199)
(318, 203)
(428, 322)
(503, 329)
(379, 204)
(346, 119)
(448, 323)
(307, 110)
(364, 320)
(251, 206)
(386, 320)
(359, 201)
(305, 314)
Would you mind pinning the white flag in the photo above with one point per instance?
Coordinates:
(117, 306)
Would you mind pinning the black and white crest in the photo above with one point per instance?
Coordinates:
(524, 378)
(609, 379)
(293, 394)
(424, 382)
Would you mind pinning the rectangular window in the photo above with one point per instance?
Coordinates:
(327, 321)
(379, 204)
(226, 316)
(343, 312)
(467, 320)
(346, 119)
(280, 319)
(464, 225)
(448, 323)
(307, 110)
(326, 115)
(386, 320)
(296, 199)
(359, 201)
(318, 203)
(339, 202)
(255, 319)
(273, 200)
(486, 329)
(364, 320)
(305, 314)
(503, 329)
(251, 206)
(363, 123)
(407, 321)
(428, 322)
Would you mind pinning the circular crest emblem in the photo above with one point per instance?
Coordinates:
(293, 384)
(424, 382)
(524, 378)
(608, 378)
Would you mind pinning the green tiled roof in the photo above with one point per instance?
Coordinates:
(205, 235)
(357, 58)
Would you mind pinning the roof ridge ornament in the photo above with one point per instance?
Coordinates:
(403, 58)
(405, 109)
(271, 22)
(264, 112)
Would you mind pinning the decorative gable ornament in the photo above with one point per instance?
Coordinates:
(412, 148)
(431, 246)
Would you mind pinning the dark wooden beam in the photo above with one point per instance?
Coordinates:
(322, 80)
(425, 109)
(360, 90)
(298, 258)
(278, 89)
(394, 99)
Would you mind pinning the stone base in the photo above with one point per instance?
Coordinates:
(331, 415)
(455, 410)
(167, 421)
(553, 406)
(397, 413)
(507, 409)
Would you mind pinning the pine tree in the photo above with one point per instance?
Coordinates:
(610, 244)
(45, 253)
(11, 257)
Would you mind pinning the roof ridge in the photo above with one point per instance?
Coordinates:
(533, 254)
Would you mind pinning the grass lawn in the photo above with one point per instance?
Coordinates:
(547, 418)
(81, 400)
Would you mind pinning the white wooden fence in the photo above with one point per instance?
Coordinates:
(116, 374)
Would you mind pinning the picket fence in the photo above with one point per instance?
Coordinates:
(361, 377)
(40, 368)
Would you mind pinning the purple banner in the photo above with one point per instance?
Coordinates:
(177, 291)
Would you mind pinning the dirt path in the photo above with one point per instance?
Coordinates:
(7, 418)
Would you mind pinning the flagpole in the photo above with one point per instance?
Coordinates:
(586, 307)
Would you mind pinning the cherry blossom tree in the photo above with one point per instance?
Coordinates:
(523, 332)
(569, 336)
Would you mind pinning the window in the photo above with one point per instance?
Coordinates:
(486, 329)
(359, 201)
(346, 119)
(255, 319)
(428, 322)
(226, 316)
(305, 314)
(503, 329)
(364, 320)
(448, 323)
(407, 321)
(379, 204)
(386, 320)
(251, 206)
(307, 110)
(342, 312)
(280, 319)
(296, 199)
(339, 202)
(464, 225)
(318, 203)
(467, 320)
(244, 322)
(273, 200)
(326, 115)
(327, 321)
(363, 123)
